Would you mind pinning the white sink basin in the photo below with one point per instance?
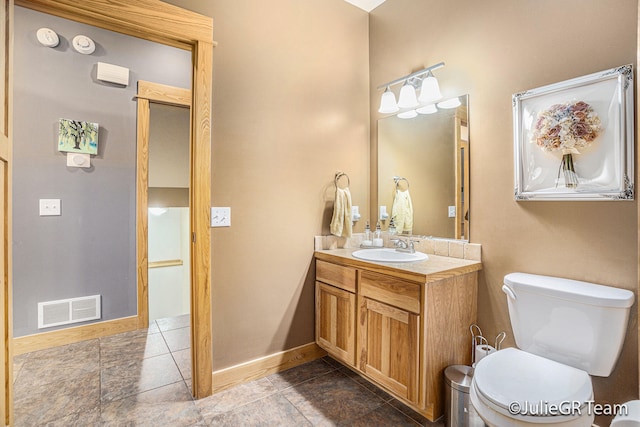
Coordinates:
(389, 255)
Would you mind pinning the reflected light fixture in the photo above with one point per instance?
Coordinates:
(410, 114)
(388, 102)
(423, 79)
(450, 103)
(158, 211)
(427, 109)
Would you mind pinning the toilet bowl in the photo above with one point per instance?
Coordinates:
(516, 388)
(565, 331)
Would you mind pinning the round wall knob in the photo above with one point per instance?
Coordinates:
(84, 45)
(47, 37)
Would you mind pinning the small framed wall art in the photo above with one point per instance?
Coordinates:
(574, 139)
(75, 136)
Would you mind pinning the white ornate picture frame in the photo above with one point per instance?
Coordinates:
(574, 139)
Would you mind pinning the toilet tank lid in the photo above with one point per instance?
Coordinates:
(574, 290)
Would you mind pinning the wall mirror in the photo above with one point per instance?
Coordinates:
(428, 156)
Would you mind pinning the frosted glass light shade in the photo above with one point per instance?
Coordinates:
(388, 102)
(427, 109)
(408, 97)
(408, 114)
(430, 89)
(450, 103)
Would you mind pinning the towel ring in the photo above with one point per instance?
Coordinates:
(341, 175)
(397, 180)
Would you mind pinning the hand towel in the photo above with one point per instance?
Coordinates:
(402, 212)
(341, 222)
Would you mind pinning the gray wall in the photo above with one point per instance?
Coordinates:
(90, 249)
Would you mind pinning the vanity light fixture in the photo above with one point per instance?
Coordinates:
(430, 89)
(388, 102)
(424, 79)
(408, 97)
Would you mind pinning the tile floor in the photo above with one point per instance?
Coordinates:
(142, 378)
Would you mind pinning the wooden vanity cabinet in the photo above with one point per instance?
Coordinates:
(336, 310)
(400, 330)
(388, 333)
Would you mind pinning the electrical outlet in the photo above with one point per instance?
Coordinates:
(221, 217)
(452, 211)
(50, 207)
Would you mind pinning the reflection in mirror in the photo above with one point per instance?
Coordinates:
(429, 156)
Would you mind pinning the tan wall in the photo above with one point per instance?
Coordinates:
(291, 107)
(168, 146)
(492, 49)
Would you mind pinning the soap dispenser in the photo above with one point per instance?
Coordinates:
(392, 227)
(367, 236)
(377, 236)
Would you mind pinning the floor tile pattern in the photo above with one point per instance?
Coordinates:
(142, 378)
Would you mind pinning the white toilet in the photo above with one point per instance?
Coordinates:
(566, 330)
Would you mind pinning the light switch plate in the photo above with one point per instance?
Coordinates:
(50, 207)
(221, 217)
(452, 211)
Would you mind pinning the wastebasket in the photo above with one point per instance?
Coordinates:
(459, 411)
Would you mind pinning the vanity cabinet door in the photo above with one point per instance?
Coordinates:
(388, 344)
(336, 321)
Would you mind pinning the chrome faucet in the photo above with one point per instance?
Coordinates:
(404, 245)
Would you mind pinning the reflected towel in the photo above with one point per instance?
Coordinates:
(341, 222)
(402, 211)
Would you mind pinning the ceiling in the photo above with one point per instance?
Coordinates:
(367, 5)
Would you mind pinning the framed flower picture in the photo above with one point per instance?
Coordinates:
(574, 139)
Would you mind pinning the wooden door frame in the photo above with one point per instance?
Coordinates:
(171, 25)
(149, 93)
(461, 159)
(6, 322)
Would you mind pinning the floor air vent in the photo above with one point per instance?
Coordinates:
(65, 311)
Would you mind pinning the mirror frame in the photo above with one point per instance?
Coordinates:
(163, 23)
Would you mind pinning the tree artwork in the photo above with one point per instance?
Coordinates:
(78, 137)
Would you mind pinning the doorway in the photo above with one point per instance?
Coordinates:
(156, 21)
(163, 148)
(163, 204)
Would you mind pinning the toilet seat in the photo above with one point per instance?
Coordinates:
(536, 384)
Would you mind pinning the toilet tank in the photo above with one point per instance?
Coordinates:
(576, 323)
